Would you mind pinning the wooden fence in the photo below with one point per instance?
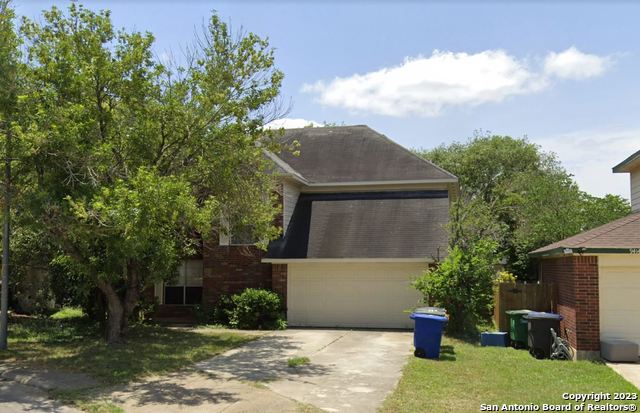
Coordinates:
(520, 296)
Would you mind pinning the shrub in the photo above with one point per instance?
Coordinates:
(463, 285)
(256, 309)
(504, 277)
(222, 311)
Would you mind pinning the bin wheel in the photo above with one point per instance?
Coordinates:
(537, 353)
(419, 353)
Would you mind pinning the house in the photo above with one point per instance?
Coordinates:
(361, 216)
(597, 274)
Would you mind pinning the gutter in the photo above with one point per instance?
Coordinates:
(566, 251)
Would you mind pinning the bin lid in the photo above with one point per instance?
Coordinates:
(516, 312)
(535, 315)
(440, 318)
(431, 310)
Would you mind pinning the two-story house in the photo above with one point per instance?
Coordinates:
(361, 216)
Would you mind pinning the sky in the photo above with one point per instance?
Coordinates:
(562, 74)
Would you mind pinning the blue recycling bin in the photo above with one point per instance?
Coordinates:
(427, 334)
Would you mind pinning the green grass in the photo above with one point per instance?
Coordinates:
(76, 345)
(68, 313)
(297, 361)
(468, 375)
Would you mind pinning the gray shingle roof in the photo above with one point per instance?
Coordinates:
(355, 154)
(621, 233)
(366, 225)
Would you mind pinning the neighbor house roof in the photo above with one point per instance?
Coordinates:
(354, 154)
(619, 236)
(628, 164)
(366, 225)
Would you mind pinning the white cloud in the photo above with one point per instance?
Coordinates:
(590, 155)
(573, 64)
(291, 123)
(424, 86)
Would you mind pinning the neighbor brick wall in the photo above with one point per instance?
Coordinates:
(279, 281)
(576, 278)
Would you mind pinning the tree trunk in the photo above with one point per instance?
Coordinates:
(131, 297)
(115, 313)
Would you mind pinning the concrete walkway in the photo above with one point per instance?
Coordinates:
(630, 371)
(20, 398)
(350, 371)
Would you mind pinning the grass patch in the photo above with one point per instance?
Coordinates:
(85, 401)
(297, 361)
(68, 313)
(77, 345)
(468, 375)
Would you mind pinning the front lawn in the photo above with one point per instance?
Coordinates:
(75, 344)
(468, 375)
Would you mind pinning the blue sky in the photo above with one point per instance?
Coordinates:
(564, 74)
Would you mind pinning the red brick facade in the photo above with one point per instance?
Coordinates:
(230, 269)
(576, 278)
(279, 281)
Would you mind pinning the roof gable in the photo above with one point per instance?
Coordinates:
(355, 154)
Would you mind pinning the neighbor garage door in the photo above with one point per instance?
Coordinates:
(374, 295)
(619, 280)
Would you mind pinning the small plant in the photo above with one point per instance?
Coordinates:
(297, 361)
(256, 309)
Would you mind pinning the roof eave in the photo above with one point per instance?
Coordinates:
(568, 251)
(628, 164)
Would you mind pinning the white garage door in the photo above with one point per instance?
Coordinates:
(619, 279)
(374, 295)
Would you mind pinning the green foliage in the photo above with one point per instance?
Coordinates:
(504, 277)
(463, 285)
(128, 162)
(256, 309)
(222, 310)
(516, 194)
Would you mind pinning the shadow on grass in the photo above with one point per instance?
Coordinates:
(78, 346)
(447, 353)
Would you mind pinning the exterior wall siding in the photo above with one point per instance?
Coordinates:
(635, 190)
(576, 278)
(290, 194)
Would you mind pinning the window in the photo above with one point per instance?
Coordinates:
(186, 288)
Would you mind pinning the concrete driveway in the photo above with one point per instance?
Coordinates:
(349, 370)
(630, 371)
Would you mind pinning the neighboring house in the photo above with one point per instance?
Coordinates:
(361, 216)
(597, 274)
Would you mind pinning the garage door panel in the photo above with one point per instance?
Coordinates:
(351, 294)
(619, 292)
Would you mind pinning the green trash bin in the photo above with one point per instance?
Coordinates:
(517, 328)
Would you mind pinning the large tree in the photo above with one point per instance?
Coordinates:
(518, 195)
(132, 161)
(9, 84)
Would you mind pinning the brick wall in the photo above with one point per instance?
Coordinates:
(576, 278)
(279, 281)
(230, 269)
